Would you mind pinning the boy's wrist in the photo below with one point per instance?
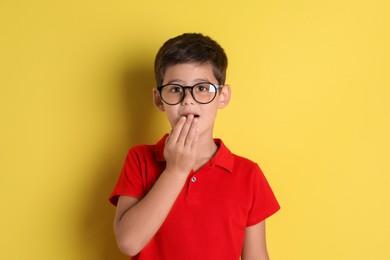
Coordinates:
(176, 173)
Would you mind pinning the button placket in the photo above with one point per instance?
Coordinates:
(193, 190)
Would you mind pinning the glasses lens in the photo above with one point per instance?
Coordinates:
(204, 92)
(172, 94)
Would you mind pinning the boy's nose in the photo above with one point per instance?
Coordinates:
(188, 99)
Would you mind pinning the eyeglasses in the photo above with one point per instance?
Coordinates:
(203, 92)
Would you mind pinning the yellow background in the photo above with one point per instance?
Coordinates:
(310, 83)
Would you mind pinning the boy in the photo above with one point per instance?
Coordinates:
(188, 197)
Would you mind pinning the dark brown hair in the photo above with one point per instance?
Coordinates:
(187, 48)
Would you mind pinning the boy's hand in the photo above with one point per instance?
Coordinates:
(181, 145)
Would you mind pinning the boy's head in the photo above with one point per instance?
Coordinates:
(191, 48)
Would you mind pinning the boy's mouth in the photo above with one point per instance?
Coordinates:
(195, 116)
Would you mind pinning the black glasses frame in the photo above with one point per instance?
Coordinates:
(191, 91)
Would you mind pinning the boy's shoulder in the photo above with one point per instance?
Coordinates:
(149, 150)
(244, 160)
(244, 164)
(142, 149)
(237, 161)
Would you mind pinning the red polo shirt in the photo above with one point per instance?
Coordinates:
(210, 215)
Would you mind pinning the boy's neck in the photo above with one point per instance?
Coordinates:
(206, 150)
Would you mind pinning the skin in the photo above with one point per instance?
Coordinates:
(189, 146)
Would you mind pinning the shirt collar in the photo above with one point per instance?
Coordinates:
(223, 158)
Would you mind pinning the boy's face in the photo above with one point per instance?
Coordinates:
(188, 74)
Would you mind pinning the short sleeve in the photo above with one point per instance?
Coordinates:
(130, 179)
(263, 200)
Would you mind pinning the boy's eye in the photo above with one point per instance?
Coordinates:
(202, 88)
(174, 89)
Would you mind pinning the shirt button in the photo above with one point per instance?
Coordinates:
(193, 179)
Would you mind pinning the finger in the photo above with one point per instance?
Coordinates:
(175, 133)
(186, 127)
(196, 138)
(191, 133)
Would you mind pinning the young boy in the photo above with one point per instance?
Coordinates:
(188, 197)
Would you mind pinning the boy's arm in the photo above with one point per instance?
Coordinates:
(137, 221)
(255, 247)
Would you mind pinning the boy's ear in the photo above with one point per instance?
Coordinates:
(157, 100)
(224, 96)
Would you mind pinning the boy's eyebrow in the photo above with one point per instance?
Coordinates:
(174, 81)
(179, 81)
